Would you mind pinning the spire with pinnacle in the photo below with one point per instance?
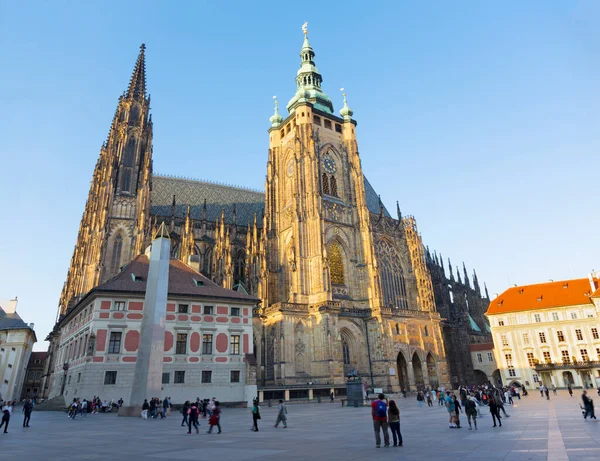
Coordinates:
(276, 119)
(308, 81)
(346, 112)
(137, 84)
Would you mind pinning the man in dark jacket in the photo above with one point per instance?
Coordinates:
(27, 409)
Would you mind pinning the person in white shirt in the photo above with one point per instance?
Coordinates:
(6, 412)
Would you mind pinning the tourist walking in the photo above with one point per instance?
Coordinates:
(449, 402)
(547, 393)
(553, 389)
(541, 390)
(165, 407)
(588, 406)
(457, 409)
(282, 414)
(6, 412)
(185, 412)
(27, 409)
(429, 401)
(570, 389)
(192, 414)
(494, 410)
(379, 415)
(471, 411)
(255, 416)
(215, 417)
(420, 399)
(145, 408)
(394, 422)
(332, 397)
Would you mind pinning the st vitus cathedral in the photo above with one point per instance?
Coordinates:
(343, 285)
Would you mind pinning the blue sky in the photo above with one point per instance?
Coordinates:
(482, 119)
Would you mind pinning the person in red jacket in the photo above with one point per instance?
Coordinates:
(379, 413)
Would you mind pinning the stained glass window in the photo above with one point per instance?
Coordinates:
(116, 253)
(336, 264)
(325, 184)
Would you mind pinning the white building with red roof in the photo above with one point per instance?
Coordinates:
(548, 333)
(208, 339)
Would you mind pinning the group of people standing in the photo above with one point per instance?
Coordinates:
(385, 413)
(156, 407)
(192, 412)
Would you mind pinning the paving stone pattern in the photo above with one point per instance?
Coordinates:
(316, 431)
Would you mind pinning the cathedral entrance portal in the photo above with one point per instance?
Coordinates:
(418, 371)
(402, 372)
(432, 371)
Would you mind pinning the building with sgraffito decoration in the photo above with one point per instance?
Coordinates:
(344, 286)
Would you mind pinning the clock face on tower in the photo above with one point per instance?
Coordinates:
(328, 164)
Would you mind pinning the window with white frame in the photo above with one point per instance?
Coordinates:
(526, 339)
(490, 357)
(565, 356)
(579, 335)
(504, 340)
(542, 337)
(595, 333)
(560, 335)
(118, 305)
(554, 315)
(479, 357)
(537, 318)
(573, 315)
(584, 355)
(530, 359)
(547, 357)
(535, 378)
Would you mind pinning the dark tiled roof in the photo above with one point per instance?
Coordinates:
(181, 282)
(373, 199)
(11, 321)
(218, 197)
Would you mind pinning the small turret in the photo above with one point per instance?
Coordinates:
(466, 276)
(276, 119)
(346, 112)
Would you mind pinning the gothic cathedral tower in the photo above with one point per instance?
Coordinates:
(116, 221)
(319, 249)
(317, 217)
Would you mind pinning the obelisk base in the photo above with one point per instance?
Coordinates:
(134, 411)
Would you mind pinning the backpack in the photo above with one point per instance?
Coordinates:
(381, 409)
(469, 405)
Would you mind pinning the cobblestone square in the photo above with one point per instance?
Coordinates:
(537, 430)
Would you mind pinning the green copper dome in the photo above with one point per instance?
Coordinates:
(308, 81)
(346, 112)
(276, 119)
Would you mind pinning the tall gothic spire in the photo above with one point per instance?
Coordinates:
(137, 84)
(308, 81)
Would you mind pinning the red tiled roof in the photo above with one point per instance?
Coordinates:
(38, 356)
(481, 346)
(181, 282)
(543, 296)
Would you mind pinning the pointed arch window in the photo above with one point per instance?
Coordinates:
(325, 184)
(129, 156)
(393, 285)
(336, 264)
(333, 186)
(116, 254)
(345, 350)
(126, 180)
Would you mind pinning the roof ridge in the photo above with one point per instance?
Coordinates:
(208, 181)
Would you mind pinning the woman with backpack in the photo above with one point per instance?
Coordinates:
(255, 416)
(394, 422)
(192, 417)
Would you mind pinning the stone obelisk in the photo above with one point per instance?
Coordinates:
(147, 380)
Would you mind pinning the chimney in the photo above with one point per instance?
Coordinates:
(9, 306)
(593, 281)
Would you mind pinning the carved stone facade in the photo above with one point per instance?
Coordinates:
(343, 285)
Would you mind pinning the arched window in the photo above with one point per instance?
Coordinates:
(336, 264)
(126, 180)
(129, 155)
(345, 351)
(116, 254)
(393, 285)
(134, 114)
(397, 329)
(240, 267)
(333, 186)
(325, 184)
